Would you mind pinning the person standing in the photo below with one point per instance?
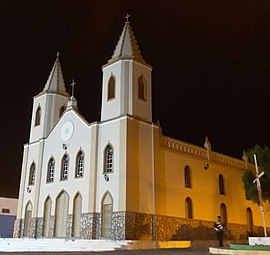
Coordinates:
(218, 227)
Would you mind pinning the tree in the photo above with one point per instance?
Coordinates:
(263, 160)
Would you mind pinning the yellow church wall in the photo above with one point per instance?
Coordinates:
(164, 166)
(139, 167)
(204, 192)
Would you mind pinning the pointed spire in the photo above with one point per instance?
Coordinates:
(55, 82)
(207, 145)
(127, 47)
(245, 156)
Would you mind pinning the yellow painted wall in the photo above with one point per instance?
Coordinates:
(139, 167)
(170, 192)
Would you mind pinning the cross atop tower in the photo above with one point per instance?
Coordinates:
(72, 86)
(127, 17)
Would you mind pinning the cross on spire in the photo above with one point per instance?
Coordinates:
(57, 54)
(72, 86)
(127, 17)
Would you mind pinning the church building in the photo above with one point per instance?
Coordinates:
(120, 178)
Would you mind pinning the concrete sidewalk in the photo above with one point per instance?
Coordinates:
(183, 251)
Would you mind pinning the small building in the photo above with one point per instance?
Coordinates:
(8, 210)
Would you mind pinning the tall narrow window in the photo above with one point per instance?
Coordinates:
(38, 116)
(50, 173)
(141, 88)
(111, 88)
(249, 222)
(32, 174)
(221, 185)
(189, 210)
(187, 177)
(64, 167)
(79, 164)
(108, 159)
(61, 110)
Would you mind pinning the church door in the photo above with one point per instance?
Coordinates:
(77, 211)
(27, 220)
(61, 215)
(47, 217)
(107, 209)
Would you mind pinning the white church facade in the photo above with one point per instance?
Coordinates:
(120, 178)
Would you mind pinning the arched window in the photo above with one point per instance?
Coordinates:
(189, 209)
(79, 164)
(50, 172)
(141, 88)
(111, 88)
(108, 159)
(38, 116)
(249, 221)
(64, 167)
(32, 174)
(221, 185)
(187, 177)
(61, 110)
(223, 214)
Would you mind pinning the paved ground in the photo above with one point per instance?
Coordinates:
(189, 251)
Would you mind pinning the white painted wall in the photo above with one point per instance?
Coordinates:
(126, 73)
(50, 105)
(81, 139)
(113, 132)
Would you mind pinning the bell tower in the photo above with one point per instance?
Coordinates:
(126, 85)
(49, 105)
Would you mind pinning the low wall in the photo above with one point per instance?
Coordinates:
(141, 226)
(138, 226)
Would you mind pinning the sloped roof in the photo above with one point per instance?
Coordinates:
(127, 47)
(55, 82)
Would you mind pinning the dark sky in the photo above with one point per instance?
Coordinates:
(211, 67)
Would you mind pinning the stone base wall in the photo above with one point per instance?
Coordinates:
(90, 226)
(17, 228)
(138, 226)
(118, 226)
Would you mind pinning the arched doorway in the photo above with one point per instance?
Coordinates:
(189, 209)
(77, 211)
(61, 214)
(223, 214)
(27, 219)
(224, 218)
(106, 215)
(47, 217)
(249, 221)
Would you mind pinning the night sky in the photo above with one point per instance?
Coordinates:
(211, 67)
